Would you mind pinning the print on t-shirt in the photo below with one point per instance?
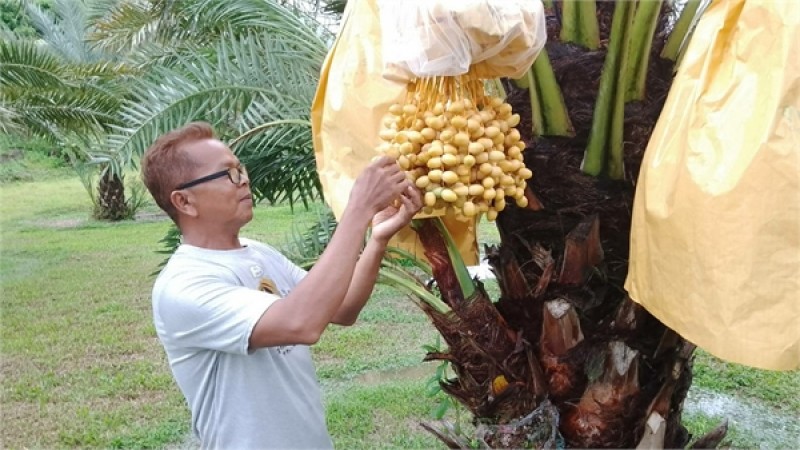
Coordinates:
(268, 286)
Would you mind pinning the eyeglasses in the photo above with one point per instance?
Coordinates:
(234, 174)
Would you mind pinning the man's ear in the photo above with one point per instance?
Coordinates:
(183, 201)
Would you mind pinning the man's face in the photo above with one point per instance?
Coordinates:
(219, 200)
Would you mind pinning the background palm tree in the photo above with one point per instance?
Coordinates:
(248, 67)
(56, 85)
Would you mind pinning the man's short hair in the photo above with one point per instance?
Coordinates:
(166, 164)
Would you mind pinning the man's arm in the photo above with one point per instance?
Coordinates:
(302, 316)
(385, 225)
(361, 286)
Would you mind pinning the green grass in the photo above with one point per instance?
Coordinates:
(764, 404)
(383, 415)
(81, 366)
(779, 389)
(394, 321)
(30, 160)
(699, 424)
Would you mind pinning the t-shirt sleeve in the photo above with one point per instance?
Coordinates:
(206, 312)
(295, 272)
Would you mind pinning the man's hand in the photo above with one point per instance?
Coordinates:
(377, 186)
(389, 221)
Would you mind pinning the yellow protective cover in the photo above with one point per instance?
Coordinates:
(715, 241)
(346, 116)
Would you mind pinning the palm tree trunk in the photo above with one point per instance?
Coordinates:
(111, 204)
(599, 351)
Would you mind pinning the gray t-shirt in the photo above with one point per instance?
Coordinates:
(205, 305)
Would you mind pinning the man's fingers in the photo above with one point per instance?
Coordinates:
(412, 199)
(397, 177)
(381, 161)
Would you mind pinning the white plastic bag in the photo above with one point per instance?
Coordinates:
(425, 38)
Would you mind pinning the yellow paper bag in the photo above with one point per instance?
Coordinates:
(715, 240)
(346, 116)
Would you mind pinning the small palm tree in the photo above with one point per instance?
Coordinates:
(59, 87)
(248, 67)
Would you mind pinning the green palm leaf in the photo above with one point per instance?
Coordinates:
(46, 96)
(304, 246)
(281, 165)
(23, 63)
(242, 83)
(9, 121)
(217, 16)
(63, 27)
(129, 25)
(123, 25)
(335, 7)
(75, 108)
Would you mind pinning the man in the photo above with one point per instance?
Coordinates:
(235, 316)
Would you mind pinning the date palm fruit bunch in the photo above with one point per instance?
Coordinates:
(457, 144)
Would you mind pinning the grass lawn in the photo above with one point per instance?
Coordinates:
(81, 366)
